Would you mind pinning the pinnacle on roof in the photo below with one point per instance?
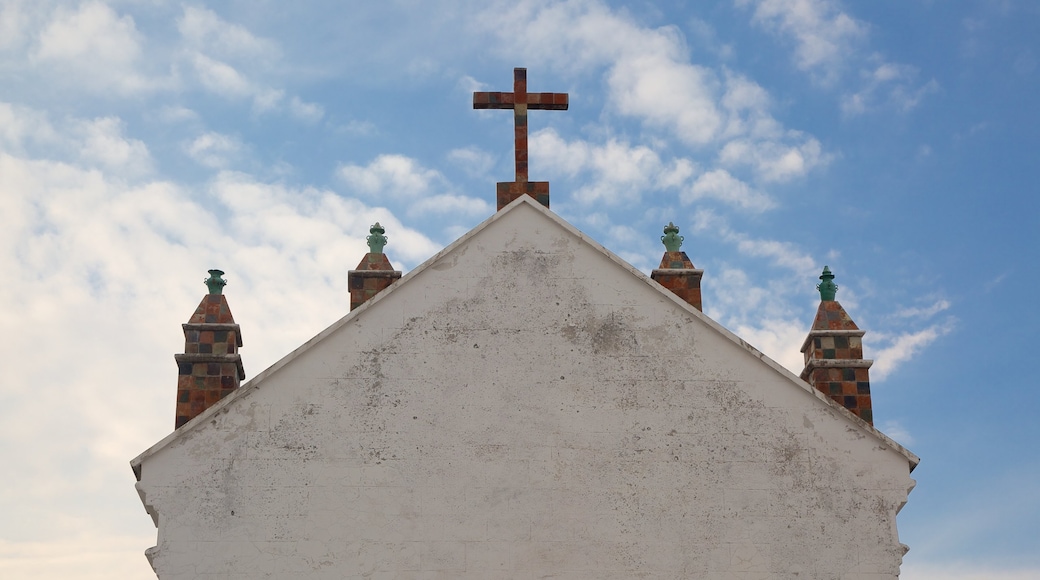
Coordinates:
(676, 271)
(833, 354)
(375, 273)
(210, 367)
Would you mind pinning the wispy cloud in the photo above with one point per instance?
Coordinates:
(780, 253)
(415, 189)
(903, 347)
(650, 77)
(96, 48)
(897, 431)
(214, 150)
(924, 311)
(824, 36)
(610, 172)
(831, 46)
(232, 62)
(718, 184)
(475, 162)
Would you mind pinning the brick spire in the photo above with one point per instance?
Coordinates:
(833, 351)
(521, 101)
(210, 367)
(375, 273)
(676, 271)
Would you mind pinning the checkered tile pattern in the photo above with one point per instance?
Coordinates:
(373, 275)
(210, 368)
(677, 274)
(834, 362)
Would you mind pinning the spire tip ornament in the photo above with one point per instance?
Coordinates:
(827, 288)
(377, 240)
(215, 283)
(671, 239)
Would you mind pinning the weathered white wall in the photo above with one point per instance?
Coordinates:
(526, 408)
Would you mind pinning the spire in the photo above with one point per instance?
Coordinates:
(210, 368)
(833, 353)
(375, 273)
(676, 271)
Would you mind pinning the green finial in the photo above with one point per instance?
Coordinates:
(215, 282)
(671, 238)
(377, 240)
(827, 288)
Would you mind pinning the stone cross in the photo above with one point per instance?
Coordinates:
(520, 101)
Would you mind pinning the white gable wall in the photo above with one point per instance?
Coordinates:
(526, 407)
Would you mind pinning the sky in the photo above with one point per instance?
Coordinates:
(143, 142)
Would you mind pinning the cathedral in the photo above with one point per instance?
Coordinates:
(524, 404)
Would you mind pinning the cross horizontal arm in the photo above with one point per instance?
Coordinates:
(493, 100)
(499, 100)
(548, 101)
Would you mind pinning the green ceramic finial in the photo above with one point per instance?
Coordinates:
(215, 282)
(827, 288)
(377, 240)
(671, 238)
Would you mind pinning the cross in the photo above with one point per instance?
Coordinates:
(520, 101)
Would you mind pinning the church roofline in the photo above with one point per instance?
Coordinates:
(360, 311)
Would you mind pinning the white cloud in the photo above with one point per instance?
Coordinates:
(824, 36)
(888, 84)
(475, 162)
(22, 126)
(779, 339)
(232, 62)
(895, 430)
(828, 43)
(98, 142)
(104, 143)
(390, 176)
(221, 78)
(309, 112)
(214, 150)
(773, 161)
(13, 24)
(783, 254)
(612, 172)
(924, 312)
(417, 190)
(680, 97)
(718, 184)
(903, 347)
(94, 48)
(650, 77)
(203, 30)
(177, 114)
(451, 204)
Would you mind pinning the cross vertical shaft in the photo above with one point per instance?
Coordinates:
(521, 101)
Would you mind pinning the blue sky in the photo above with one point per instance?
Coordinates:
(143, 142)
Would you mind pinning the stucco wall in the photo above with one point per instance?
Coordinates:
(525, 407)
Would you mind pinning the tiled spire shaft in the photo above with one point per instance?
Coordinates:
(833, 353)
(210, 368)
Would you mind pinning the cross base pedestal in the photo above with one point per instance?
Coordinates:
(508, 191)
